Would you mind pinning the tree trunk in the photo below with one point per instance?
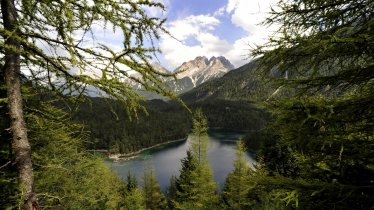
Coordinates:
(20, 141)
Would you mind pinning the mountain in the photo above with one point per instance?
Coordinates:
(200, 70)
(243, 83)
(157, 66)
(191, 74)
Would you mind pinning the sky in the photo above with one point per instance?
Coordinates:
(208, 28)
(212, 28)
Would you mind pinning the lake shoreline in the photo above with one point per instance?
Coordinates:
(166, 159)
(229, 129)
(128, 156)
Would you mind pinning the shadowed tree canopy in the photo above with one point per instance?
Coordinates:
(324, 50)
(63, 45)
(57, 45)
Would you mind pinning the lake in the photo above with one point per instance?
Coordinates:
(166, 158)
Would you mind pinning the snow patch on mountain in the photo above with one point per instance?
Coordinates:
(192, 73)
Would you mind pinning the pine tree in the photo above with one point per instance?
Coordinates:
(134, 200)
(66, 176)
(133, 196)
(195, 186)
(48, 39)
(154, 199)
(184, 181)
(323, 54)
(172, 192)
(199, 142)
(131, 182)
(237, 185)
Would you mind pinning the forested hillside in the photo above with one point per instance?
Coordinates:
(112, 128)
(318, 149)
(307, 102)
(242, 84)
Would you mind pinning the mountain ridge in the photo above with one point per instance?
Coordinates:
(243, 83)
(190, 74)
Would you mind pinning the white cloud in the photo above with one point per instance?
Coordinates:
(192, 25)
(248, 15)
(240, 51)
(156, 11)
(199, 28)
(219, 12)
(213, 44)
(231, 5)
(245, 14)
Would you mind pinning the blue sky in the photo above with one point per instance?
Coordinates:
(180, 9)
(206, 28)
(212, 28)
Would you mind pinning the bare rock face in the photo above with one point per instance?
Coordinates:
(193, 73)
(200, 70)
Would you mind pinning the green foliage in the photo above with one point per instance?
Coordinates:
(133, 196)
(66, 176)
(154, 199)
(184, 181)
(54, 37)
(131, 182)
(324, 126)
(239, 115)
(134, 200)
(237, 186)
(199, 142)
(7, 168)
(195, 186)
(172, 190)
(49, 39)
(113, 130)
(242, 84)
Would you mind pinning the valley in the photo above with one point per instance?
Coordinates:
(223, 108)
(180, 105)
(166, 158)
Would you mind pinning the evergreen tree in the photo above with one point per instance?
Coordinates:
(133, 196)
(199, 142)
(184, 181)
(325, 121)
(134, 200)
(66, 176)
(154, 199)
(48, 39)
(237, 185)
(195, 186)
(172, 191)
(131, 182)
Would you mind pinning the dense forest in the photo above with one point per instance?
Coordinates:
(113, 129)
(309, 111)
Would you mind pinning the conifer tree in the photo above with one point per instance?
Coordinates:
(172, 192)
(49, 40)
(134, 200)
(131, 182)
(154, 199)
(237, 185)
(324, 53)
(66, 176)
(199, 142)
(195, 186)
(133, 196)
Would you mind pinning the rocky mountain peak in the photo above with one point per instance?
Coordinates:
(200, 69)
(195, 72)
(157, 66)
(226, 63)
(198, 62)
